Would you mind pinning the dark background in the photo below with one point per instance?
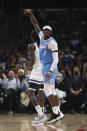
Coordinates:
(15, 28)
(14, 5)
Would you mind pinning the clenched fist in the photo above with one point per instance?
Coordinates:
(27, 11)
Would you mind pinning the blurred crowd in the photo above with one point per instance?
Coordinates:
(69, 30)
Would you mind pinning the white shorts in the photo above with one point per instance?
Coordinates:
(36, 74)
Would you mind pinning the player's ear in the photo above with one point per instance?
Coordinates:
(51, 33)
(34, 47)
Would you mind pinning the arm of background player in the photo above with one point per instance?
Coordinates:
(31, 50)
(33, 20)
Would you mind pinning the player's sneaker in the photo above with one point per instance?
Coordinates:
(10, 113)
(55, 117)
(40, 119)
(61, 116)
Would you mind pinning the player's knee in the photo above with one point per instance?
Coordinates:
(32, 97)
(48, 91)
(54, 92)
(31, 94)
(41, 92)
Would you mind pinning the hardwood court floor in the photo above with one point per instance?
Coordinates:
(23, 123)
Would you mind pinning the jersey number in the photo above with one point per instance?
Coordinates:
(44, 52)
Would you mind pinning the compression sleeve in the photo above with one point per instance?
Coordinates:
(41, 35)
(53, 47)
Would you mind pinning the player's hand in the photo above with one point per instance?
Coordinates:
(27, 11)
(4, 75)
(48, 75)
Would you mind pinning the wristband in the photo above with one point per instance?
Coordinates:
(50, 71)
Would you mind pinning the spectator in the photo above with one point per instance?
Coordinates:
(84, 104)
(25, 81)
(25, 103)
(60, 86)
(21, 74)
(11, 85)
(75, 85)
(22, 62)
(67, 60)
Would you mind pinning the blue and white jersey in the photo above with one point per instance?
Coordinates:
(45, 53)
(47, 47)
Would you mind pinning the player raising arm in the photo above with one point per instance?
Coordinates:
(48, 52)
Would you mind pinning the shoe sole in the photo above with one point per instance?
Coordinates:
(44, 119)
(58, 118)
(33, 124)
(39, 122)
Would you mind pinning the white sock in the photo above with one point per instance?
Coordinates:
(39, 110)
(58, 108)
(54, 109)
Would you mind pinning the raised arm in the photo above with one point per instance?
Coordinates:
(33, 20)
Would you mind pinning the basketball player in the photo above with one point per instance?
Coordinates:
(36, 80)
(49, 60)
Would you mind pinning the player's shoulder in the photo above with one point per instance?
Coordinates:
(53, 41)
(52, 44)
(32, 46)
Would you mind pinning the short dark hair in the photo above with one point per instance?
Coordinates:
(34, 35)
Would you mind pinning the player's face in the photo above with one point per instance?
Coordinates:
(47, 33)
